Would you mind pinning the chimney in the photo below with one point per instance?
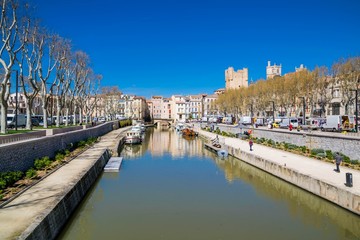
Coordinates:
(268, 63)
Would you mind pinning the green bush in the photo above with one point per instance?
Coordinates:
(292, 147)
(346, 159)
(315, 151)
(329, 154)
(59, 157)
(42, 163)
(303, 149)
(2, 184)
(81, 144)
(355, 162)
(9, 178)
(321, 155)
(30, 173)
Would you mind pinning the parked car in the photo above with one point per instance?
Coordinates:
(285, 123)
(18, 120)
(245, 120)
(102, 119)
(35, 122)
(336, 123)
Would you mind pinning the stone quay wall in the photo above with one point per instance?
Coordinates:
(346, 144)
(349, 146)
(324, 190)
(20, 156)
(57, 217)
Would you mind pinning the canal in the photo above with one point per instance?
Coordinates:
(172, 188)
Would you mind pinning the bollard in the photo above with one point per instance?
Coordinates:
(349, 180)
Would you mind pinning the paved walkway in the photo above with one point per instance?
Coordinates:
(33, 205)
(309, 166)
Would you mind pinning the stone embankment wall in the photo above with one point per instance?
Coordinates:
(20, 156)
(327, 191)
(342, 143)
(346, 144)
(50, 226)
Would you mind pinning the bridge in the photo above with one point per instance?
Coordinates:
(163, 122)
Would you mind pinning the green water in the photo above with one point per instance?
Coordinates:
(173, 188)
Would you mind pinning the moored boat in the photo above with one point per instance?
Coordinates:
(133, 137)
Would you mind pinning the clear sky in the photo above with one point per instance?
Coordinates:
(165, 47)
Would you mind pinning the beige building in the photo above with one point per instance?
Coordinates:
(272, 71)
(237, 79)
(159, 107)
(301, 68)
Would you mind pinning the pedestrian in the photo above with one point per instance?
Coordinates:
(338, 160)
(251, 144)
(290, 127)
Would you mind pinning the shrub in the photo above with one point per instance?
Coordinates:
(9, 178)
(303, 149)
(355, 162)
(315, 151)
(59, 156)
(31, 173)
(2, 184)
(42, 163)
(329, 154)
(81, 144)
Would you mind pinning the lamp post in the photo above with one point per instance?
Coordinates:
(16, 98)
(251, 110)
(356, 108)
(273, 107)
(303, 109)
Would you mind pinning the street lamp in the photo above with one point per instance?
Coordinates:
(303, 109)
(273, 107)
(356, 108)
(251, 110)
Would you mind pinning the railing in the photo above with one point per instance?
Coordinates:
(21, 137)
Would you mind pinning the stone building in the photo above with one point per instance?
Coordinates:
(234, 80)
(272, 71)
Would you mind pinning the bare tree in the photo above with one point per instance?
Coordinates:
(10, 28)
(45, 46)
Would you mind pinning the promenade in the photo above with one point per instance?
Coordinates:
(316, 169)
(24, 213)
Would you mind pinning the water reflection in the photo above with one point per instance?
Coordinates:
(309, 208)
(172, 188)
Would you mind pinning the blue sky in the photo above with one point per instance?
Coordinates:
(165, 47)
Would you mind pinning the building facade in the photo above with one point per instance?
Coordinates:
(234, 80)
(272, 70)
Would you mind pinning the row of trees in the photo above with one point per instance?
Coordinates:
(317, 87)
(45, 66)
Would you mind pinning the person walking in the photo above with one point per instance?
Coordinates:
(338, 160)
(251, 144)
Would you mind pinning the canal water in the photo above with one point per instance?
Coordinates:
(173, 188)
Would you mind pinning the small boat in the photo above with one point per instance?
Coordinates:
(133, 137)
(222, 153)
(189, 132)
(179, 127)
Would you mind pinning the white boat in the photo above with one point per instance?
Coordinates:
(133, 137)
(139, 127)
(179, 127)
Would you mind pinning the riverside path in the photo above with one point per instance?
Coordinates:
(22, 215)
(320, 171)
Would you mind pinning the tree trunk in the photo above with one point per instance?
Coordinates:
(28, 116)
(58, 109)
(3, 116)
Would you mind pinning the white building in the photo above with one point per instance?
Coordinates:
(272, 71)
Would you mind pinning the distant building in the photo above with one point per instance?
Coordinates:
(300, 68)
(234, 80)
(272, 71)
(219, 91)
